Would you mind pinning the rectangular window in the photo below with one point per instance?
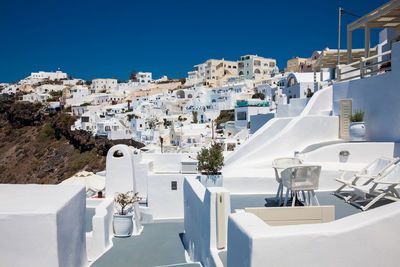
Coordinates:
(241, 116)
(174, 185)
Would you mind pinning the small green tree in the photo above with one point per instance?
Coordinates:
(210, 159)
(132, 75)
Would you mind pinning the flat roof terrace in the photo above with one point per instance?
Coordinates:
(160, 243)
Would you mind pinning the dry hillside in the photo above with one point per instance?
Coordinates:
(36, 147)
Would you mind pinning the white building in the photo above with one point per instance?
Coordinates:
(197, 76)
(35, 97)
(41, 75)
(246, 108)
(255, 67)
(101, 85)
(144, 77)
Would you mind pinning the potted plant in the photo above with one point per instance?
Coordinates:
(122, 223)
(210, 163)
(357, 126)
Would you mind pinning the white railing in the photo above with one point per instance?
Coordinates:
(365, 67)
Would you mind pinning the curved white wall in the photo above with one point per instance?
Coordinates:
(120, 176)
(365, 239)
(281, 137)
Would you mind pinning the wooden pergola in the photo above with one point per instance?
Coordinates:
(386, 16)
(329, 57)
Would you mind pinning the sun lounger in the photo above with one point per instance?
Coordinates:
(381, 187)
(370, 172)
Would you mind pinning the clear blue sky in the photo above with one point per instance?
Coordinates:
(100, 39)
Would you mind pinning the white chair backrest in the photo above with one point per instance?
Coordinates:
(283, 163)
(305, 176)
(286, 162)
(378, 166)
(392, 175)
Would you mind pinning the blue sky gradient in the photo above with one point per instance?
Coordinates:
(107, 39)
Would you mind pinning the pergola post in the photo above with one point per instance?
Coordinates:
(367, 30)
(349, 44)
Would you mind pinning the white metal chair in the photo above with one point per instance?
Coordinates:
(370, 172)
(301, 178)
(279, 164)
(382, 187)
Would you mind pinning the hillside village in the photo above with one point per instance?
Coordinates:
(170, 115)
(239, 164)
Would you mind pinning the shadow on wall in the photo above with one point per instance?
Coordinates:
(396, 151)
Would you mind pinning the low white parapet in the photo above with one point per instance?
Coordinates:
(100, 239)
(364, 239)
(206, 216)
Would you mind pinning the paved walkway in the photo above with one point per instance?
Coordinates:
(158, 245)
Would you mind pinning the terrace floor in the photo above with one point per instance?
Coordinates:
(160, 243)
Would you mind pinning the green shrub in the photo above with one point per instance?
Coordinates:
(46, 133)
(357, 116)
(210, 159)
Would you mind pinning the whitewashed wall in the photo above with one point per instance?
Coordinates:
(42, 225)
(365, 239)
(379, 97)
(200, 222)
(293, 109)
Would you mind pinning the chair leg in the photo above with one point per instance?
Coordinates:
(281, 196)
(278, 193)
(294, 199)
(286, 197)
(304, 198)
(315, 197)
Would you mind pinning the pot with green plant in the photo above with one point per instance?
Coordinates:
(210, 163)
(357, 126)
(123, 223)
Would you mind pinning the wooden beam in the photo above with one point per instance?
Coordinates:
(377, 13)
(367, 40)
(349, 45)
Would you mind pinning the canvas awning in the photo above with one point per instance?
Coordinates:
(93, 183)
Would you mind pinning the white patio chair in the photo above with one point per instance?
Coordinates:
(381, 187)
(279, 164)
(370, 172)
(301, 178)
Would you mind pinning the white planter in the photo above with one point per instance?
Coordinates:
(123, 225)
(357, 131)
(212, 180)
